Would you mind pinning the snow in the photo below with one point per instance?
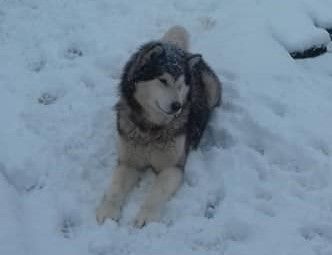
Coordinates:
(261, 182)
(304, 29)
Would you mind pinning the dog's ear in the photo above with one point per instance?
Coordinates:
(193, 59)
(147, 53)
(204, 74)
(151, 53)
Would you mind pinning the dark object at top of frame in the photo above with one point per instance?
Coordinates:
(313, 51)
(309, 53)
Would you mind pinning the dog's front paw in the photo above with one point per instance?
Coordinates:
(145, 217)
(107, 210)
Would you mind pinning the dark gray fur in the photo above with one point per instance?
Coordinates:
(200, 111)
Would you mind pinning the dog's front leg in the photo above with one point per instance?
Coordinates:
(123, 180)
(166, 184)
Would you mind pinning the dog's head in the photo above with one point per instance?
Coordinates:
(155, 82)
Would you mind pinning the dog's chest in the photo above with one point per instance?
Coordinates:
(158, 155)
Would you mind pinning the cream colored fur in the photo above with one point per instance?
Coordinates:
(156, 98)
(177, 35)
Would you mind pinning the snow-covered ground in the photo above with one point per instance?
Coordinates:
(261, 182)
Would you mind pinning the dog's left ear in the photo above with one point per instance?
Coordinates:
(193, 59)
(151, 53)
(147, 53)
(201, 72)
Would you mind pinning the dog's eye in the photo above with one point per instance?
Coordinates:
(163, 81)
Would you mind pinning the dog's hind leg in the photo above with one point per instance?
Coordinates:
(123, 180)
(166, 184)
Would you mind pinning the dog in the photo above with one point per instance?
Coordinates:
(167, 95)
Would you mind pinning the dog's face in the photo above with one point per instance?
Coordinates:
(155, 80)
(163, 97)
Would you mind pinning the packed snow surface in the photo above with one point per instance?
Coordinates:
(261, 181)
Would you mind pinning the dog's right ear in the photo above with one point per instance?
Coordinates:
(145, 55)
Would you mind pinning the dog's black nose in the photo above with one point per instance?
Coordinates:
(175, 106)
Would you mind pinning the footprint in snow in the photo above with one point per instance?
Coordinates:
(68, 225)
(230, 95)
(236, 230)
(263, 194)
(207, 23)
(47, 98)
(275, 106)
(214, 200)
(255, 136)
(21, 179)
(266, 209)
(312, 181)
(319, 231)
(36, 64)
(220, 138)
(73, 52)
(322, 147)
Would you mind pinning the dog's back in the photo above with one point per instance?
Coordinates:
(206, 90)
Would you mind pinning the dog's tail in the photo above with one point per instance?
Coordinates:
(177, 35)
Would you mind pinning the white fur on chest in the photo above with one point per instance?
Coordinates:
(157, 155)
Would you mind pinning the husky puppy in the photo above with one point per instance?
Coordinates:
(166, 97)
